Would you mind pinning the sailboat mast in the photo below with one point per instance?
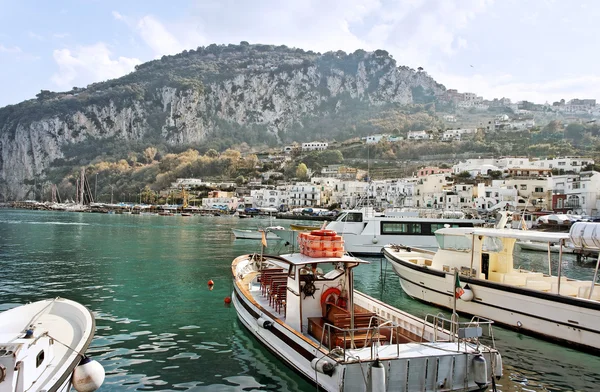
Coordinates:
(82, 186)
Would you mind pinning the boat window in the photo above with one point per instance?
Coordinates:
(39, 359)
(454, 242)
(415, 228)
(292, 272)
(407, 228)
(353, 217)
(437, 226)
(342, 217)
(394, 228)
(492, 244)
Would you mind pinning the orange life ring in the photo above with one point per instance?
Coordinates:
(327, 293)
(324, 233)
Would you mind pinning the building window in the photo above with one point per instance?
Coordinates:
(539, 189)
(523, 187)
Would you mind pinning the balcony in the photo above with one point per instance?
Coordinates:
(572, 204)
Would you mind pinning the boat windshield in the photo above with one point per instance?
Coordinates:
(453, 242)
(350, 217)
(464, 242)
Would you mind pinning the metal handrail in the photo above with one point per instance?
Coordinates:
(373, 330)
(439, 322)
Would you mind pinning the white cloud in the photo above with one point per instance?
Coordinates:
(33, 35)
(504, 85)
(162, 40)
(60, 35)
(87, 64)
(157, 37)
(7, 49)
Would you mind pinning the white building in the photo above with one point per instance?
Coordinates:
(272, 198)
(374, 139)
(430, 191)
(417, 135)
(314, 146)
(495, 196)
(457, 134)
(187, 183)
(304, 194)
(582, 191)
(220, 200)
(568, 164)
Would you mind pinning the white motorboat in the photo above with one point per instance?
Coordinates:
(365, 233)
(555, 248)
(305, 310)
(42, 348)
(270, 233)
(556, 307)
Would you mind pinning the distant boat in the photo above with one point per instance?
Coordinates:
(366, 232)
(186, 214)
(42, 346)
(256, 234)
(303, 227)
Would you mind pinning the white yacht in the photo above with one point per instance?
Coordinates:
(305, 310)
(365, 232)
(555, 307)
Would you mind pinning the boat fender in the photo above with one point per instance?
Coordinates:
(378, 377)
(264, 323)
(88, 375)
(325, 297)
(498, 366)
(467, 295)
(2, 372)
(323, 365)
(480, 370)
(374, 240)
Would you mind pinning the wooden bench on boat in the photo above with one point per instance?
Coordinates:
(340, 318)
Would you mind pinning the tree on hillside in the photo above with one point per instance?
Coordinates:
(150, 154)
(574, 131)
(302, 171)
(212, 153)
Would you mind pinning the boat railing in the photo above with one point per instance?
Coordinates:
(379, 332)
(452, 330)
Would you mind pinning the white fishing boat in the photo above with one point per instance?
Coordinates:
(556, 307)
(246, 234)
(42, 348)
(304, 309)
(365, 233)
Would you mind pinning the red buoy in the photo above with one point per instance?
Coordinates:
(227, 300)
(210, 282)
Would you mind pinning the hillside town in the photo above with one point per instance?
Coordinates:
(513, 183)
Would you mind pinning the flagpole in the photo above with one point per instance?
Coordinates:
(454, 314)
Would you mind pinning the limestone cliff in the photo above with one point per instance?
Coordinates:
(187, 98)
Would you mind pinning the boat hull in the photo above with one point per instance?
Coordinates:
(252, 235)
(279, 340)
(554, 317)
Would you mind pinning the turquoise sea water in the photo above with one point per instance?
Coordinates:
(159, 327)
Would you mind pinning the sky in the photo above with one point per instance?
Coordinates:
(536, 50)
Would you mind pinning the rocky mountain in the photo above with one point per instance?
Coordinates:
(233, 93)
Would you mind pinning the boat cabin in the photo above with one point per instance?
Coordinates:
(487, 254)
(304, 286)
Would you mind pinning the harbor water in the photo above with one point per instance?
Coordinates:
(160, 327)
